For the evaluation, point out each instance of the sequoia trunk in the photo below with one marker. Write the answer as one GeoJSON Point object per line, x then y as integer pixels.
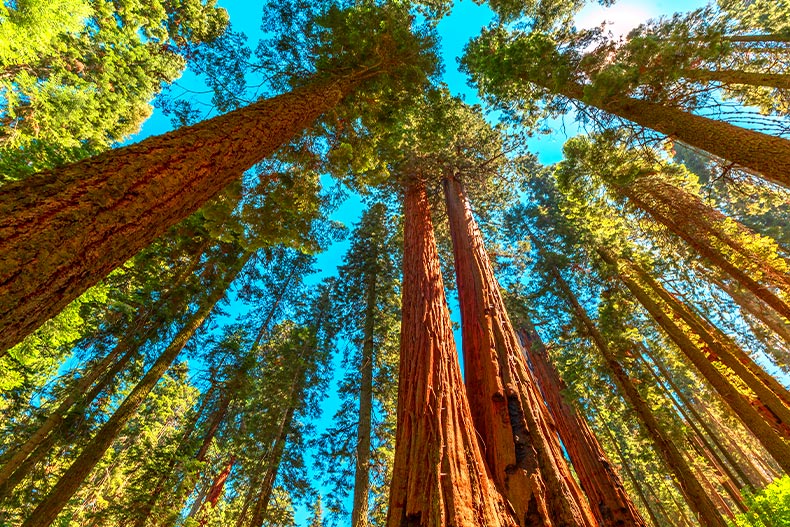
{"type": "Point", "coordinates": [597, 476]}
{"type": "Point", "coordinates": [64, 230]}
{"type": "Point", "coordinates": [522, 447]}
{"type": "Point", "coordinates": [439, 475]}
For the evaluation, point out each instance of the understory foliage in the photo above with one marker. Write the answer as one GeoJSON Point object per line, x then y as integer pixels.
{"type": "Point", "coordinates": [232, 374]}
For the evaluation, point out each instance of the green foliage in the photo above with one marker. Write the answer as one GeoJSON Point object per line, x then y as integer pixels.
{"type": "Point", "coordinates": [770, 507]}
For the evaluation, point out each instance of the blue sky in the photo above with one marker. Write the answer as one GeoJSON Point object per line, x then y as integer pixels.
{"type": "Point", "coordinates": [463, 23]}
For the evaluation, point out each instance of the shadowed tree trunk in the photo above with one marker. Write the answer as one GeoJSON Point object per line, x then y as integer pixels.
{"type": "Point", "coordinates": [597, 476]}
{"type": "Point", "coordinates": [439, 475]}
{"type": "Point", "coordinates": [64, 230]}
{"type": "Point", "coordinates": [46, 512]}
{"type": "Point", "coordinates": [359, 511]}
{"type": "Point", "coordinates": [692, 490]}
{"type": "Point", "coordinates": [522, 447]}
{"type": "Point", "coordinates": [765, 430]}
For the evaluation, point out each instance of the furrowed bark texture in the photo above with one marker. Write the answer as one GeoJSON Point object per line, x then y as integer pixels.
{"type": "Point", "coordinates": [769, 155]}
{"type": "Point", "coordinates": [722, 241]}
{"type": "Point", "coordinates": [691, 488]}
{"type": "Point", "coordinates": [359, 511]}
{"type": "Point", "coordinates": [62, 231]}
{"type": "Point", "coordinates": [599, 479]}
{"type": "Point", "coordinates": [758, 423]}
{"type": "Point", "coordinates": [48, 509]}
{"type": "Point", "coordinates": [439, 476]}
{"type": "Point", "coordinates": [519, 437]}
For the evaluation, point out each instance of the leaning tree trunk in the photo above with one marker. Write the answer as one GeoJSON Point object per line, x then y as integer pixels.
{"type": "Point", "coordinates": [48, 509]}
{"type": "Point", "coordinates": [769, 155]}
{"type": "Point", "coordinates": [771, 80]}
{"type": "Point", "coordinates": [359, 511]}
{"type": "Point", "coordinates": [64, 230]}
{"type": "Point", "coordinates": [691, 488]}
{"type": "Point", "coordinates": [763, 429]}
{"type": "Point", "coordinates": [599, 479]}
{"type": "Point", "coordinates": [723, 349]}
{"type": "Point", "coordinates": [522, 448]}
{"type": "Point", "coordinates": [439, 475]}
{"type": "Point", "coordinates": [123, 352]}
{"type": "Point", "coordinates": [720, 240]}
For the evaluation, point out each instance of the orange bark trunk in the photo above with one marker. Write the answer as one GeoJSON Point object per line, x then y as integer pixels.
{"type": "Point", "coordinates": [64, 230]}
{"type": "Point", "coordinates": [439, 476]}
{"type": "Point", "coordinates": [521, 444]}
{"type": "Point", "coordinates": [598, 478]}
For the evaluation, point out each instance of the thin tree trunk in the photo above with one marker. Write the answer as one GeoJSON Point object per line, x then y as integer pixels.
{"type": "Point", "coordinates": [359, 511]}
{"type": "Point", "coordinates": [693, 419]}
{"type": "Point", "coordinates": [723, 349]}
{"type": "Point", "coordinates": [522, 447]}
{"type": "Point", "coordinates": [217, 486]}
{"type": "Point", "coordinates": [769, 155]}
{"type": "Point", "coordinates": [750, 78]}
{"type": "Point", "coordinates": [693, 491]}
{"type": "Point", "coordinates": [754, 421]}
{"type": "Point", "coordinates": [597, 476]}
{"type": "Point", "coordinates": [274, 457]}
{"type": "Point", "coordinates": [48, 509]}
{"type": "Point", "coordinates": [725, 480]}
{"type": "Point", "coordinates": [439, 475]}
{"type": "Point", "coordinates": [64, 230]}
{"type": "Point", "coordinates": [756, 307]}
{"type": "Point", "coordinates": [713, 236]}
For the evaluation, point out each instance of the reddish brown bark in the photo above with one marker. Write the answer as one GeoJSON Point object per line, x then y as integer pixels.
{"type": "Point", "coordinates": [520, 440]}
{"type": "Point", "coordinates": [62, 231]}
{"type": "Point", "coordinates": [597, 476]}
{"type": "Point", "coordinates": [439, 475]}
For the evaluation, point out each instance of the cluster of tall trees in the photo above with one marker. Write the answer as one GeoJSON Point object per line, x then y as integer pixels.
{"type": "Point", "coordinates": [167, 344]}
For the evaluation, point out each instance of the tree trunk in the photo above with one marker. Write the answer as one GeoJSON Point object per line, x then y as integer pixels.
{"type": "Point", "coordinates": [726, 244]}
{"type": "Point", "coordinates": [752, 305]}
{"type": "Point", "coordinates": [48, 509]}
{"type": "Point", "coordinates": [754, 421]}
{"type": "Point", "coordinates": [692, 490]}
{"type": "Point", "coordinates": [769, 155]}
{"type": "Point", "coordinates": [597, 476]}
{"type": "Point", "coordinates": [693, 418]}
{"type": "Point", "coordinates": [64, 230]}
{"type": "Point", "coordinates": [359, 511]}
{"type": "Point", "coordinates": [750, 78]}
{"type": "Point", "coordinates": [721, 348]}
{"type": "Point", "coordinates": [522, 448]}
{"type": "Point", "coordinates": [217, 486]}
{"type": "Point", "coordinates": [439, 475]}
{"type": "Point", "coordinates": [274, 457]}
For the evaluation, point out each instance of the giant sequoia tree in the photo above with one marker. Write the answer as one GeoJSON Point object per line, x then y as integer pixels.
{"type": "Point", "coordinates": [64, 230]}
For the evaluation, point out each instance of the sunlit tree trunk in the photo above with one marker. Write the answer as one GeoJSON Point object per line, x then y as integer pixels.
{"type": "Point", "coordinates": [522, 447]}
{"type": "Point", "coordinates": [750, 78]}
{"type": "Point", "coordinates": [46, 512]}
{"type": "Point", "coordinates": [439, 475]}
{"type": "Point", "coordinates": [764, 430]}
{"type": "Point", "coordinates": [725, 243]}
{"type": "Point", "coordinates": [64, 230]}
{"type": "Point", "coordinates": [597, 476]}
{"type": "Point", "coordinates": [691, 488]}
{"type": "Point", "coordinates": [767, 154]}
